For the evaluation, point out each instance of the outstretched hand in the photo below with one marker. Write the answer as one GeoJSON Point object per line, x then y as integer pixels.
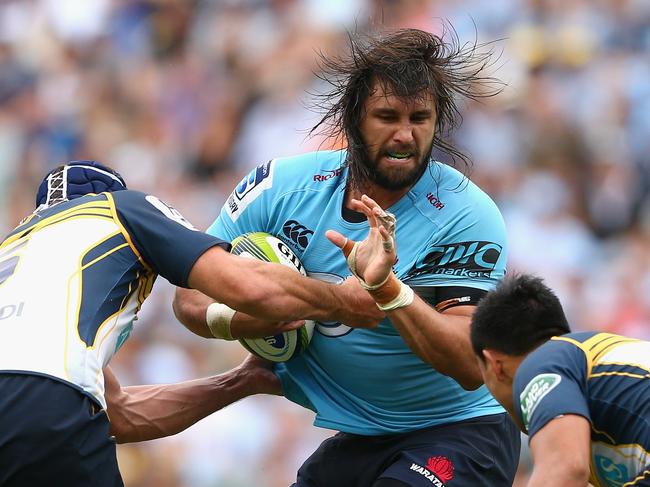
{"type": "Point", "coordinates": [373, 257]}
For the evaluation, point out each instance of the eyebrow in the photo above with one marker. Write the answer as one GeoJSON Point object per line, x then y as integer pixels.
{"type": "Point", "coordinates": [391, 111]}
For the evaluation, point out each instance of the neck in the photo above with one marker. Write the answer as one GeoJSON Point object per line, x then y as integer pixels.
{"type": "Point", "coordinates": [511, 365]}
{"type": "Point", "coordinates": [383, 197]}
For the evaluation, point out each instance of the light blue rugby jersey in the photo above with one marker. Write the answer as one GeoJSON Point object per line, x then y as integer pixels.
{"type": "Point", "coordinates": [368, 381]}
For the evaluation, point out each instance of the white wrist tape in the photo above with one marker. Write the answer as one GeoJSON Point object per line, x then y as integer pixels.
{"type": "Point", "coordinates": [404, 298]}
{"type": "Point", "coordinates": [218, 317]}
{"type": "Point", "coordinates": [369, 287]}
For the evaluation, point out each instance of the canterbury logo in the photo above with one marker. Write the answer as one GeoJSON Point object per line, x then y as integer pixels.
{"type": "Point", "coordinates": [297, 233]}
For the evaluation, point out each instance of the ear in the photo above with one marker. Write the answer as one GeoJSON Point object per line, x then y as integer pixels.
{"type": "Point", "coordinates": [496, 361]}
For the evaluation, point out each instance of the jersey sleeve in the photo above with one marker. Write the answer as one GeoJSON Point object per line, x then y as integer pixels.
{"type": "Point", "coordinates": [167, 242]}
{"type": "Point", "coordinates": [550, 382]}
{"type": "Point", "coordinates": [247, 208]}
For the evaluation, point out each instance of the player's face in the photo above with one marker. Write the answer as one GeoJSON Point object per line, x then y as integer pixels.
{"type": "Point", "coordinates": [398, 134]}
{"type": "Point", "coordinates": [502, 391]}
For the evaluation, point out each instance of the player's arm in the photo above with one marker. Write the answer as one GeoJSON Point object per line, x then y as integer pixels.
{"type": "Point", "coordinates": [560, 452]}
{"type": "Point", "coordinates": [440, 339]}
{"type": "Point", "coordinates": [190, 307]}
{"type": "Point", "coordinates": [275, 292]}
{"type": "Point", "coordinates": [173, 248]}
{"type": "Point", "coordinates": [139, 413]}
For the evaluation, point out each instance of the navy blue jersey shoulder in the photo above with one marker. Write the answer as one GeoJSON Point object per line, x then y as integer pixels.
{"type": "Point", "coordinates": [166, 241]}
{"type": "Point", "coordinates": [550, 382]}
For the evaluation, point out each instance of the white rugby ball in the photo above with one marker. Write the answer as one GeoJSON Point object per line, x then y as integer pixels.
{"type": "Point", "coordinates": [286, 345]}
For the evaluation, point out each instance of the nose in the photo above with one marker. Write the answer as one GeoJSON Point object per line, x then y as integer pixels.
{"type": "Point", "coordinates": [404, 134]}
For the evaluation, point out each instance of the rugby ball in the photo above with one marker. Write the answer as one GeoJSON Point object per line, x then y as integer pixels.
{"type": "Point", "coordinates": [266, 247]}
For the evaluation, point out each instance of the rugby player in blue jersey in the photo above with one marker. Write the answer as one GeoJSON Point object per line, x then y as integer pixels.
{"type": "Point", "coordinates": [583, 398]}
{"type": "Point", "coordinates": [406, 397]}
{"type": "Point", "coordinates": [73, 276]}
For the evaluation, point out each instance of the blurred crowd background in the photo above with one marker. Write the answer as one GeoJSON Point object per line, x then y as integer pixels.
{"type": "Point", "coordinates": [184, 97]}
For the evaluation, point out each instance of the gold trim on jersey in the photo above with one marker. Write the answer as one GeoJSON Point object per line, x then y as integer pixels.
{"type": "Point", "coordinates": [624, 374]}
{"type": "Point", "coordinates": [80, 291]}
{"type": "Point", "coordinates": [143, 287]}
{"type": "Point", "coordinates": [642, 476]}
{"type": "Point", "coordinates": [593, 479]}
{"type": "Point", "coordinates": [94, 208]}
{"type": "Point", "coordinates": [596, 347]}
{"type": "Point", "coordinates": [79, 273]}
{"type": "Point", "coordinates": [125, 232]}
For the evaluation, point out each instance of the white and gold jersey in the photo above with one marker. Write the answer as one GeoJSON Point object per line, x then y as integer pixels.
{"type": "Point", "coordinates": [74, 276]}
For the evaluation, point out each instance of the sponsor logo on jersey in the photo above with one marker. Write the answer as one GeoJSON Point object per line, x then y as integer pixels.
{"type": "Point", "coordinates": [534, 392]}
{"type": "Point", "coordinates": [10, 310]}
{"type": "Point", "coordinates": [297, 233]}
{"type": "Point", "coordinates": [249, 189]}
{"type": "Point", "coordinates": [617, 464]}
{"type": "Point", "coordinates": [438, 470]}
{"type": "Point", "coordinates": [123, 336]}
{"type": "Point", "coordinates": [169, 211]}
{"type": "Point", "coordinates": [327, 175]}
{"type": "Point", "coordinates": [613, 473]}
{"type": "Point", "coordinates": [435, 202]}
{"type": "Point", "coordinates": [474, 260]}
{"type": "Point", "coordinates": [330, 329]}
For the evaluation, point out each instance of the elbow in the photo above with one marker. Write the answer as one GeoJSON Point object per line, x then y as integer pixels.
{"type": "Point", "coordinates": [182, 306]}
{"type": "Point", "coordinates": [120, 434]}
{"type": "Point", "coordinates": [470, 383]}
{"type": "Point", "coordinates": [470, 380]}
{"type": "Point", "coordinates": [566, 473]}
{"type": "Point", "coordinates": [577, 472]}
{"type": "Point", "coordinates": [121, 428]}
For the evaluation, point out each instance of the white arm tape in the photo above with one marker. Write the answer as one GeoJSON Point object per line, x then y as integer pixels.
{"type": "Point", "coordinates": [404, 298]}
{"type": "Point", "coordinates": [218, 317]}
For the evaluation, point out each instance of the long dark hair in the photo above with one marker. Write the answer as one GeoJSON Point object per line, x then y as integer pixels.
{"type": "Point", "coordinates": [410, 64]}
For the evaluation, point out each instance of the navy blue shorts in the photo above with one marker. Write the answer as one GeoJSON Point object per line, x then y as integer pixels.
{"type": "Point", "coordinates": [477, 452]}
{"type": "Point", "coordinates": [51, 434]}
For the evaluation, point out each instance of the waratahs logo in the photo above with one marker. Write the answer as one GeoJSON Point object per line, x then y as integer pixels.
{"type": "Point", "coordinates": [439, 470]}
{"type": "Point", "coordinates": [441, 467]}
{"type": "Point", "coordinates": [297, 233]}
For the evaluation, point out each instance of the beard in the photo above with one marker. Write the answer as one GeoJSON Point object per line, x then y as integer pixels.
{"type": "Point", "coordinates": [395, 178]}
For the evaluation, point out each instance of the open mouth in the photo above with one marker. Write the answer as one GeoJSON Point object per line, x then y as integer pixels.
{"type": "Point", "coordinates": [399, 156]}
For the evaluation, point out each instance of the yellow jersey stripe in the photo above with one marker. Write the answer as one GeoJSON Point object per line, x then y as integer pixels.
{"type": "Point", "coordinates": [126, 234]}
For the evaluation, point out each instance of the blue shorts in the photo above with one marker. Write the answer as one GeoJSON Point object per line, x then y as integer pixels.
{"type": "Point", "coordinates": [53, 434]}
{"type": "Point", "coordinates": [479, 451]}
